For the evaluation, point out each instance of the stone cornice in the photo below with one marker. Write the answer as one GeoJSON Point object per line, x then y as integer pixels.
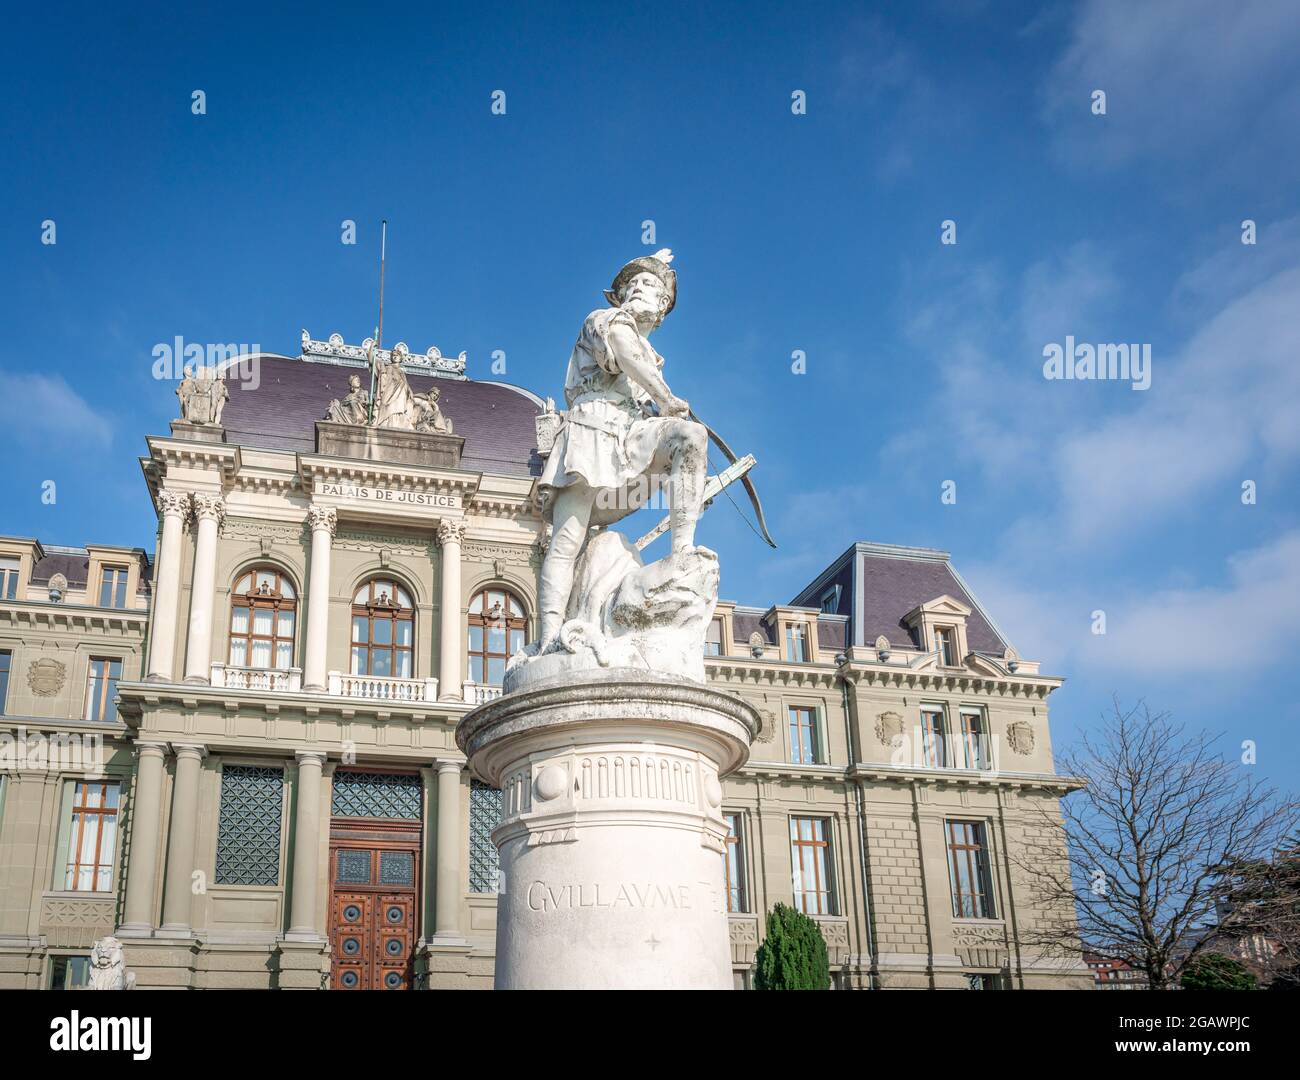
{"type": "Point", "coordinates": [770, 673]}
{"type": "Point", "coordinates": [137, 697]}
{"type": "Point", "coordinates": [965, 682]}
{"type": "Point", "coordinates": [47, 615]}
{"type": "Point", "coordinates": [34, 724]}
{"type": "Point", "coordinates": [865, 770]}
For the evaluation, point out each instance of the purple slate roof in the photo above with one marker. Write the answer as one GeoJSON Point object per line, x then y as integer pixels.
{"type": "Point", "coordinates": [75, 566]}
{"type": "Point", "coordinates": [894, 586]}
{"type": "Point", "coordinates": [496, 421]}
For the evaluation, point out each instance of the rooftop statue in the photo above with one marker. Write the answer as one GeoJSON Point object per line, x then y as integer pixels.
{"type": "Point", "coordinates": [354, 407]}
{"type": "Point", "coordinates": [624, 439]}
{"type": "Point", "coordinates": [203, 395]}
{"type": "Point", "coordinates": [395, 405]}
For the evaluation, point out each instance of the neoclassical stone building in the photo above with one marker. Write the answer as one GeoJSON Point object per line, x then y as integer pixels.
{"type": "Point", "coordinates": [247, 769]}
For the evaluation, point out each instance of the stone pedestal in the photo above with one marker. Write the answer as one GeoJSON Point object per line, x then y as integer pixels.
{"type": "Point", "coordinates": [612, 835]}
{"type": "Point", "coordinates": [391, 445]}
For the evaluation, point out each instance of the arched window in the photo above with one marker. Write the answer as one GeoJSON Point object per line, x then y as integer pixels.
{"type": "Point", "coordinates": [263, 607]}
{"type": "Point", "coordinates": [497, 630]}
{"type": "Point", "coordinates": [383, 629]}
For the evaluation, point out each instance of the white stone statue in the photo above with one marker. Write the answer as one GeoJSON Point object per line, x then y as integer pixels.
{"type": "Point", "coordinates": [625, 437]}
{"type": "Point", "coordinates": [203, 395]}
{"type": "Point", "coordinates": [108, 967]}
{"type": "Point", "coordinates": [395, 405]}
{"type": "Point", "coordinates": [428, 417]}
{"type": "Point", "coordinates": [354, 408]}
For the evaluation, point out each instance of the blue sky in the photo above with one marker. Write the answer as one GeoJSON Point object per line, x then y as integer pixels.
{"type": "Point", "coordinates": [816, 232]}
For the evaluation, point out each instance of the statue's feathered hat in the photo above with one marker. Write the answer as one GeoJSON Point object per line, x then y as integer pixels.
{"type": "Point", "coordinates": [656, 264]}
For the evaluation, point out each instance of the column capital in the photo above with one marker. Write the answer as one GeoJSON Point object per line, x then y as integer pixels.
{"type": "Point", "coordinates": [190, 750]}
{"type": "Point", "coordinates": [448, 766]}
{"type": "Point", "coordinates": [451, 531]}
{"type": "Point", "coordinates": [208, 507]}
{"type": "Point", "coordinates": [173, 504]}
{"type": "Point", "coordinates": [310, 757]}
{"type": "Point", "coordinates": [322, 518]}
{"type": "Point", "coordinates": [150, 748]}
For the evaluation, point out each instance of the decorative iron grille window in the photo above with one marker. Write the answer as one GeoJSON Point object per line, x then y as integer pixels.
{"type": "Point", "coordinates": [248, 832]}
{"type": "Point", "coordinates": [378, 795]}
{"type": "Point", "coordinates": [484, 816]}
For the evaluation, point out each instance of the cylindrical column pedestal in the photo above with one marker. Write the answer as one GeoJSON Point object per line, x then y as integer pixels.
{"type": "Point", "coordinates": [612, 837]}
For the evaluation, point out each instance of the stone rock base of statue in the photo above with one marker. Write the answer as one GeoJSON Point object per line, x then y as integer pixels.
{"type": "Point", "coordinates": [612, 835]}
{"type": "Point", "coordinates": [395, 445]}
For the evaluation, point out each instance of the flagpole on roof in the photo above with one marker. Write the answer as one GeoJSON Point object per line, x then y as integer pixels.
{"type": "Point", "coordinates": [379, 330]}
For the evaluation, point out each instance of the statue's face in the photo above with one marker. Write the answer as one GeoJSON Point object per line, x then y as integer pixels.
{"type": "Point", "coordinates": [645, 294]}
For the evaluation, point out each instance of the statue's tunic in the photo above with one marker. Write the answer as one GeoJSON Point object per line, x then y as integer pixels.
{"type": "Point", "coordinates": [608, 438]}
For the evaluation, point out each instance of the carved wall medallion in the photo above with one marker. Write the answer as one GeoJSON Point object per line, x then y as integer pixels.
{"type": "Point", "coordinates": [46, 677]}
{"type": "Point", "coordinates": [743, 932]}
{"type": "Point", "coordinates": [767, 730]}
{"type": "Point", "coordinates": [889, 729]}
{"type": "Point", "coordinates": [1021, 737]}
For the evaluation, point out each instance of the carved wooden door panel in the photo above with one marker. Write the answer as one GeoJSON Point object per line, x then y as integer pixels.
{"type": "Point", "coordinates": [373, 911]}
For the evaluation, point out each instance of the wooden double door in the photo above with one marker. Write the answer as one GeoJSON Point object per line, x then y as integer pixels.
{"type": "Point", "coordinates": [374, 904]}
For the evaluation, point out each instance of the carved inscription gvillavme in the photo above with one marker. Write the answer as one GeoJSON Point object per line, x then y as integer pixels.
{"type": "Point", "coordinates": [624, 895]}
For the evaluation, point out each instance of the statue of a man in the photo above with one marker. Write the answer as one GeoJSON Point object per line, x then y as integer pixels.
{"type": "Point", "coordinates": [625, 435]}
{"type": "Point", "coordinates": [354, 407]}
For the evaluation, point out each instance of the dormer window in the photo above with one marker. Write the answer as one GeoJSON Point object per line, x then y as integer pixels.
{"type": "Point", "coordinates": [796, 643]}
{"type": "Point", "coordinates": [945, 645]}
{"type": "Point", "coordinates": [9, 569]}
{"type": "Point", "coordinates": [713, 638]}
{"type": "Point", "coordinates": [112, 587]}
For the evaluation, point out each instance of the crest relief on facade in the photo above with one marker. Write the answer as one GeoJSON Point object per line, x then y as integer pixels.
{"type": "Point", "coordinates": [46, 677]}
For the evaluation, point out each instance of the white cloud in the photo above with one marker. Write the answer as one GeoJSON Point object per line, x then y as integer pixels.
{"type": "Point", "coordinates": [1230, 396]}
{"type": "Point", "coordinates": [1184, 79]}
{"type": "Point", "coordinates": [44, 408]}
{"type": "Point", "coordinates": [1252, 616]}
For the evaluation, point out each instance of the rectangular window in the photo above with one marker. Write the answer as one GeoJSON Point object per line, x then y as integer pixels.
{"type": "Point", "coordinates": [101, 688]}
{"type": "Point", "coordinates": [733, 864]}
{"type": "Point", "coordinates": [796, 643]}
{"type": "Point", "coordinates": [945, 642]}
{"type": "Point", "coordinates": [92, 837]}
{"type": "Point", "coordinates": [978, 981]}
{"type": "Point", "coordinates": [805, 743]}
{"type": "Point", "coordinates": [484, 816]}
{"type": "Point", "coordinates": [248, 826]}
{"type": "Point", "coordinates": [713, 638]}
{"type": "Point", "coordinates": [112, 587]}
{"type": "Point", "coordinates": [6, 661]}
{"type": "Point", "coordinates": [934, 739]}
{"type": "Point", "coordinates": [69, 972]}
{"type": "Point", "coordinates": [975, 739]}
{"type": "Point", "coordinates": [9, 578]}
{"type": "Point", "coordinates": [810, 859]}
{"type": "Point", "coordinates": [968, 867]}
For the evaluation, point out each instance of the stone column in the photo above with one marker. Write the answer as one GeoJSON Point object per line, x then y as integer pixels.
{"type": "Point", "coordinates": [447, 856]}
{"type": "Point", "coordinates": [208, 510]}
{"type": "Point", "coordinates": [177, 893]}
{"type": "Point", "coordinates": [323, 520]}
{"type": "Point", "coordinates": [167, 589]}
{"type": "Point", "coordinates": [612, 832]}
{"type": "Point", "coordinates": [451, 661]}
{"type": "Point", "coordinates": [146, 814]}
{"type": "Point", "coordinates": [306, 847]}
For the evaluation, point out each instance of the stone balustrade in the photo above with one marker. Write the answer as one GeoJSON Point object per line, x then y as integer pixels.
{"type": "Point", "coordinates": [250, 678]}
{"type": "Point", "coordinates": [382, 688]}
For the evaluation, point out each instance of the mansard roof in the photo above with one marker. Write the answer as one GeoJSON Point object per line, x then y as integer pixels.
{"type": "Point", "coordinates": [74, 564]}
{"type": "Point", "coordinates": [892, 582]}
{"type": "Point", "coordinates": [279, 408]}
